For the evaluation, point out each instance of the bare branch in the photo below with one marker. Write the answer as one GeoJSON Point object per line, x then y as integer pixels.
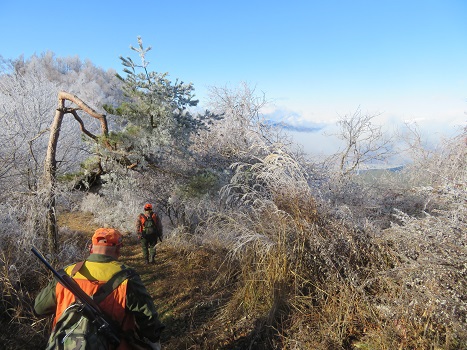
{"type": "Point", "coordinates": [102, 118]}
{"type": "Point", "coordinates": [364, 142]}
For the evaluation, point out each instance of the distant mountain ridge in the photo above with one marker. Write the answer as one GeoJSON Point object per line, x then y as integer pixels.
{"type": "Point", "coordinates": [299, 128]}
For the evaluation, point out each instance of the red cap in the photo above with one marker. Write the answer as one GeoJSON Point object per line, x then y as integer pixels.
{"type": "Point", "coordinates": [147, 206]}
{"type": "Point", "coordinates": [107, 237]}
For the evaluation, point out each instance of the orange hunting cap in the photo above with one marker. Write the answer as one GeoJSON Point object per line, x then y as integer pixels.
{"type": "Point", "coordinates": [107, 237]}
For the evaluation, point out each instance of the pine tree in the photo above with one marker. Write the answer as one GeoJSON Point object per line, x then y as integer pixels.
{"type": "Point", "coordinates": [156, 115]}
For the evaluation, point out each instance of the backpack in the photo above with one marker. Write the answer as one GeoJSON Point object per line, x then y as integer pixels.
{"type": "Point", "coordinates": [74, 330]}
{"type": "Point", "coordinates": [149, 225]}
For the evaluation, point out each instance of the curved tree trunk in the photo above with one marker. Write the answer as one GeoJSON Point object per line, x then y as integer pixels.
{"type": "Point", "coordinates": [50, 166]}
{"type": "Point", "coordinates": [49, 177]}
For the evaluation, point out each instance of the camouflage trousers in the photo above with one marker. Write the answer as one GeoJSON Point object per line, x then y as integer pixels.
{"type": "Point", "coordinates": [148, 245]}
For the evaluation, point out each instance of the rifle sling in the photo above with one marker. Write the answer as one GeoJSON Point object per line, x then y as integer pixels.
{"type": "Point", "coordinates": [76, 268]}
{"type": "Point", "coordinates": [106, 289]}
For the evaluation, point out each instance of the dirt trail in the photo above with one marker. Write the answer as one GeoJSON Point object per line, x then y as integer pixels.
{"type": "Point", "coordinates": [179, 283]}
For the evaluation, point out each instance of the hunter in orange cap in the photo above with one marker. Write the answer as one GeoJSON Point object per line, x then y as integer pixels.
{"type": "Point", "coordinates": [128, 303]}
{"type": "Point", "coordinates": [107, 241]}
{"type": "Point", "coordinates": [149, 231]}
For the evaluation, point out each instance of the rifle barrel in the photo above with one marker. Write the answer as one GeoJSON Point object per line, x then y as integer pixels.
{"type": "Point", "coordinates": [70, 284]}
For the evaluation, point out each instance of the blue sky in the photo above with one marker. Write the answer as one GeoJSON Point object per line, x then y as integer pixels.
{"type": "Point", "coordinates": [405, 60]}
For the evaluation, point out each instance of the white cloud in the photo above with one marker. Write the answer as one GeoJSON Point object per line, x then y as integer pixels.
{"type": "Point", "coordinates": [315, 134]}
{"type": "Point", "coordinates": [291, 119]}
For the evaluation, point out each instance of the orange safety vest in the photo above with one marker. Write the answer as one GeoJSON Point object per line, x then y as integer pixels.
{"type": "Point", "coordinates": [142, 220]}
{"type": "Point", "coordinates": [114, 305]}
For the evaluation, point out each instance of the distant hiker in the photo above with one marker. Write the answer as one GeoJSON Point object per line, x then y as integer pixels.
{"type": "Point", "coordinates": [149, 230]}
{"type": "Point", "coordinates": [124, 301]}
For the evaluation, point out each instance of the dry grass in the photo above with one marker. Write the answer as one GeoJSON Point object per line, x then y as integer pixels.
{"type": "Point", "coordinates": [20, 329]}
{"type": "Point", "coordinates": [279, 284]}
{"type": "Point", "coordinates": [332, 282]}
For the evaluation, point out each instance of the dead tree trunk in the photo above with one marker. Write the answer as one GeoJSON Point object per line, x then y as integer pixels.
{"type": "Point", "coordinates": [50, 166]}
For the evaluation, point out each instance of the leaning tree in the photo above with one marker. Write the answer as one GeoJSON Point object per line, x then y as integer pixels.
{"type": "Point", "coordinates": [50, 168]}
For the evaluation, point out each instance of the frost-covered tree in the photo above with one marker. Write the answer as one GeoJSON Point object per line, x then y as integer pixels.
{"type": "Point", "coordinates": [243, 131]}
{"type": "Point", "coordinates": [26, 111]}
{"type": "Point", "coordinates": [28, 91]}
{"type": "Point", "coordinates": [93, 84]}
{"type": "Point", "coordinates": [243, 124]}
{"type": "Point", "coordinates": [364, 142]}
{"type": "Point", "coordinates": [157, 115]}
